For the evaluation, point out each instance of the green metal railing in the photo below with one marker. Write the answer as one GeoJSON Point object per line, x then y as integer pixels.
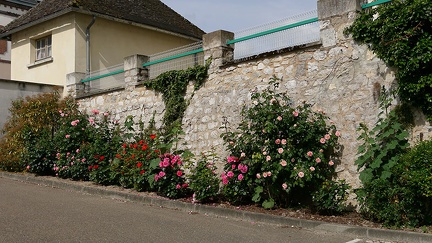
{"type": "Point", "coordinates": [173, 57]}
{"type": "Point", "coordinates": [268, 32]}
{"type": "Point", "coordinates": [102, 76]}
{"type": "Point", "coordinates": [378, 2]}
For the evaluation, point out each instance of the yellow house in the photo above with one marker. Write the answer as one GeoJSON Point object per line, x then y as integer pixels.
{"type": "Point", "coordinates": [58, 37]}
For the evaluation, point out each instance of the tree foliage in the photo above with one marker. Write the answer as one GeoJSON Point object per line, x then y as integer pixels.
{"type": "Point", "coordinates": [400, 33]}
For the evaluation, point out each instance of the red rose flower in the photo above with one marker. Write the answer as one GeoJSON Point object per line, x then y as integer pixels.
{"type": "Point", "coordinates": [139, 164]}
{"type": "Point", "coordinates": [152, 136]}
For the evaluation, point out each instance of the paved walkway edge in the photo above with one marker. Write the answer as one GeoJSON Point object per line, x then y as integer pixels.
{"type": "Point", "coordinates": [361, 232]}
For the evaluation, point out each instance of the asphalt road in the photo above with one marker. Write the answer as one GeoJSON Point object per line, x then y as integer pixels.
{"type": "Point", "coordinates": [33, 213]}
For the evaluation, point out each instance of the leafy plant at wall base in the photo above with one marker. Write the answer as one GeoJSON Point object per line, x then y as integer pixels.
{"type": "Point", "coordinates": [204, 182]}
{"type": "Point", "coordinates": [280, 154]}
{"type": "Point", "coordinates": [383, 145]}
{"type": "Point", "coordinates": [391, 193]}
{"type": "Point", "coordinates": [400, 33]}
{"type": "Point", "coordinates": [173, 86]}
{"type": "Point", "coordinates": [330, 198]}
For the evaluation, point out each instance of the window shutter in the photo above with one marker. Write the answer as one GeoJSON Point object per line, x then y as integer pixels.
{"type": "Point", "coordinates": [3, 46]}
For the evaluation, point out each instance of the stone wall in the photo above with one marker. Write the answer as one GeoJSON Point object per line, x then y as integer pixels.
{"type": "Point", "coordinates": [336, 75]}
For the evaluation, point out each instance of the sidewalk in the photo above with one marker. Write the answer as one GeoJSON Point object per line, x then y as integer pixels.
{"type": "Point", "coordinates": [123, 194]}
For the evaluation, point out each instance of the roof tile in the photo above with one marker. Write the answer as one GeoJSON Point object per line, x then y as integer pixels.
{"type": "Point", "coordinates": [148, 12]}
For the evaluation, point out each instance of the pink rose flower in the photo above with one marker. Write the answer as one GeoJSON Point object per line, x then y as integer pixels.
{"type": "Point", "coordinates": [322, 140]}
{"type": "Point", "coordinates": [230, 174]}
{"type": "Point", "coordinates": [265, 174]}
{"type": "Point", "coordinates": [327, 136]}
{"type": "Point", "coordinates": [106, 114]}
{"type": "Point", "coordinates": [67, 136]}
{"type": "Point", "coordinates": [331, 163]}
{"type": "Point", "coordinates": [233, 166]}
{"type": "Point", "coordinates": [280, 150]}
{"type": "Point", "coordinates": [179, 173]}
{"type": "Point", "coordinates": [295, 113]}
{"type": "Point", "coordinates": [91, 121]}
{"type": "Point", "coordinates": [242, 155]}
{"type": "Point", "coordinates": [277, 141]}
{"type": "Point", "coordinates": [74, 123]}
{"type": "Point", "coordinates": [178, 186]}
{"type": "Point", "coordinates": [283, 163]}
{"type": "Point", "coordinates": [161, 174]}
{"type": "Point", "coordinates": [268, 158]}
{"type": "Point", "coordinates": [309, 153]}
{"type": "Point", "coordinates": [225, 181]}
{"type": "Point", "coordinates": [318, 160]}
{"type": "Point", "coordinates": [312, 168]}
{"type": "Point", "coordinates": [269, 173]}
{"type": "Point", "coordinates": [232, 159]}
{"type": "Point", "coordinates": [156, 177]}
{"type": "Point", "coordinates": [300, 174]}
{"type": "Point", "coordinates": [338, 134]}
{"type": "Point", "coordinates": [284, 186]}
{"type": "Point", "coordinates": [258, 176]}
{"type": "Point", "coordinates": [284, 141]}
{"type": "Point", "coordinates": [279, 118]}
{"type": "Point", "coordinates": [243, 168]}
{"type": "Point", "coordinates": [240, 177]}
{"type": "Point", "coordinates": [95, 112]}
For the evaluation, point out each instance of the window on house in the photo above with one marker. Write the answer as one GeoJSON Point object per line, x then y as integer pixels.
{"type": "Point", "coordinates": [43, 48]}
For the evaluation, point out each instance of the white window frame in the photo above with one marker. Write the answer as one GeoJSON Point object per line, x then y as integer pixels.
{"type": "Point", "coordinates": [43, 47]}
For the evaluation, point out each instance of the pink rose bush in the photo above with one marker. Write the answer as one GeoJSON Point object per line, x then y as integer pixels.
{"type": "Point", "coordinates": [169, 178]}
{"type": "Point", "coordinates": [305, 138]}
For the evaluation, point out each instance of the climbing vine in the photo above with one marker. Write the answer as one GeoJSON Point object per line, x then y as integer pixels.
{"type": "Point", "coordinates": [173, 86]}
{"type": "Point", "coordinates": [400, 33]}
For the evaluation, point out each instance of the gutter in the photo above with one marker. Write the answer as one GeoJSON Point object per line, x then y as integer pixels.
{"type": "Point", "coordinates": [88, 46]}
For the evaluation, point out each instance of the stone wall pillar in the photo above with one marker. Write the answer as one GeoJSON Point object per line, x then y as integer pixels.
{"type": "Point", "coordinates": [214, 45]}
{"type": "Point", "coordinates": [74, 87]}
{"type": "Point", "coordinates": [331, 8]}
{"type": "Point", "coordinates": [134, 72]}
{"type": "Point", "coordinates": [334, 17]}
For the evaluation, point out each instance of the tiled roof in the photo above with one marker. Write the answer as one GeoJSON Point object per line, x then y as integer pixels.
{"type": "Point", "coordinates": [152, 13]}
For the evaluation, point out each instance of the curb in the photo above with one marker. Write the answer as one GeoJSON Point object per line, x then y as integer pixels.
{"type": "Point", "coordinates": [362, 232]}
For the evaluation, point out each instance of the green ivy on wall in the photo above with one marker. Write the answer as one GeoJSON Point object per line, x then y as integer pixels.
{"type": "Point", "coordinates": [400, 33]}
{"type": "Point", "coordinates": [173, 86]}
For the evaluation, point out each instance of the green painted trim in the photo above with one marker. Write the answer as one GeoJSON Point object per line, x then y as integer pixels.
{"type": "Point", "coordinates": [378, 2]}
{"type": "Point", "coordinates": [173, 57]}
{"type": "Point", "coordinates": [286, 27]}
{"type": "Point", "coordinates": [102, 76]}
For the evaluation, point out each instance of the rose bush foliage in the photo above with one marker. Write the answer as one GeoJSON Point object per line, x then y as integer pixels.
{"type": "Point", "coordinates": [280, 154]}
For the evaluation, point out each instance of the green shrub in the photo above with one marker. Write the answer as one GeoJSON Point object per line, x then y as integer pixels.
{"type": "Point", "coordinates": [330, 198]}
{"type": "Point", "coordinates": [29, 133]}
{"type": "Point", "coordinates": [397, 181]}
{"type": "Point", "coordinates": [204, 182]}
{"type": "Point", "coordinates": [279, 154]}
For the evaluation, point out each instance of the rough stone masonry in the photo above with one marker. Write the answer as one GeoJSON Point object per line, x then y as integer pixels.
{"type": "Point", "coordinates": [336, 75]}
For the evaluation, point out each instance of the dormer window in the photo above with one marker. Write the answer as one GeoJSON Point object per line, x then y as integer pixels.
{"type": "Point", "coordinates": [43, 48]}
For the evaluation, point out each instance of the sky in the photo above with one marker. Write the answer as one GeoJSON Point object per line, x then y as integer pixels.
{"type": "Point", "coordinates": [237, 15]}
